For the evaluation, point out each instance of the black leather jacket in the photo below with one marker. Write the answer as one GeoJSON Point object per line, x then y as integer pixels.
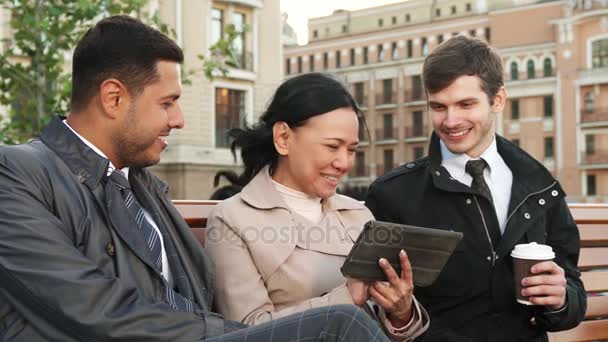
{"type": "Point", "coordinates": [67, 272]}
{"type": "Point", "coordinates": [474, 297]}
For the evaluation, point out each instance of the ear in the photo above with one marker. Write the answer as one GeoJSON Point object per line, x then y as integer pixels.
{"type": "Point", "coordinates": [114, 97]}
{"type": "Point", "coordinates": [281, 134]}
{"type": "Point", "coordinates": [499, 100]}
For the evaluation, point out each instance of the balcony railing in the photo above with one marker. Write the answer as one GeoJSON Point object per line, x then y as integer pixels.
{"type": "Point", "coordinates": [387, 134]}
{"type": "Point", "coordinates": [382, 169]}
{"type": "Point", "coordinates": [411, 96]}
{"type": "Point", "coordinates": [592, 75]}
{"type": "Point", "coordinates": [360, 171]}
{"type": "Point", "coordinates": [361, 100]}
{"type": "Point", "coordinates": [597, 157]}
{"type": "Point", "coordinates": [388, 98]}
{"type": "Point", "coordinates": [244, 61]}
{"type": "Point", "coordinates": [417, 131]}
{"type": "Point", "coordinates": [597, 115]}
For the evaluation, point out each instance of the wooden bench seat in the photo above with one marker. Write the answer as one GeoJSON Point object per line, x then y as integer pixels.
{"type": "Point", "coordinates": [592, 220]}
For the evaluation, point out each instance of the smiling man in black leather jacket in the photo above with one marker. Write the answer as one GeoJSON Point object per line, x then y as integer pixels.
{"type": "Point", "coordinates": [91, 247]}
{"type": "Point", "coordinates": [473, 298]}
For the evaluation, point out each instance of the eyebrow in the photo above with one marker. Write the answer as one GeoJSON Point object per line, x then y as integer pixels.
{"type": "Point", "coordinates": [342, 141]}
{"type": "Point", "coordinates": [173, 96]}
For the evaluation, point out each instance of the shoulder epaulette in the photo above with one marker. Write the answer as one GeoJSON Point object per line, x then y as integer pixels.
{"type": "Point", "coordinates": [406, 168]}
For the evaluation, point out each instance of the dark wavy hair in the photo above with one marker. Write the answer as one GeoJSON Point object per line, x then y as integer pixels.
{"type": "Point", "coordinates": [295, 101]}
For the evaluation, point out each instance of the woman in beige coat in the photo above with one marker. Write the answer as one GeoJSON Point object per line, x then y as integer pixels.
{"type": "Point", "coordinates": [279, 244]}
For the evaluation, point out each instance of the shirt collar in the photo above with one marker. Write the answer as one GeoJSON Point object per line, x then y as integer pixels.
{"type": "Point", "coordinates": [455, 163]}
{"type": "Point", "coordinates": [111, 166]}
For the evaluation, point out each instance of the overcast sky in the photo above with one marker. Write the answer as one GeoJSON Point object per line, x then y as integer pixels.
{"type": "Point", "coordinates": [300, 10]}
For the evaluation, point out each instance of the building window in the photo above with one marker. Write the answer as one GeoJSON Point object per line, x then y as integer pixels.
{"type": "Point", "coordinates": [315, 34]}
{"type": "Point", "coordinates": [394, 20]}
{"type": "Point", "coordinates": [425, 47]}
{"type": "Point", "coordinates": [327, 32]}
{"type": "Point", "coordinates": [547, 67]}
{"type": "Point", "coordinates": [514, 71]}
{"type": "Point", "coordinates": [407, 18]}
{"type": "Point", "coordinates": [217, 25]}
{"type": "Point", "coordinates": [468, 7]}
{"type": "Point", "coordinates": [325, 61]}
{"type": "Point", "coordinates": [365, 55]}
{"type": "Point", "coordinates": [416, 87]}
{"type": "Point", "coordinates": [440, 39]}
{"type": "Point", "coordinates": [388, 126]}
{"type": "Point", "coordinates": [394, 51]}
{"type": "Point", "coordinates": [591, 185]}
{"type": "Point", "coordinates": [418, 152]}
{"type": "Point", "coordinates": [453, 9]}
{"type": "Point", "coordinates": [299, 64]}
{"type": "Point", "coordinates": [409, 48]}
{"type": "Point", "coordinates": [515, 142]}
{"type": "Point", "coordinates": [311, 63]}
{"type": "Point", "coordinates": [438, 12]}
{"type": "Point", "coordinates": [530, 69]}
{"type": "Point", "coordinates": [472, 33]}
{"type": "Point", "coordinates": [338, 59]}
{"type": "Point", "coordinates": [380, 53]}
{"type": "Point", "coordinates": [418, 129]}
{"type": "Point", "coordinates": [229, 113]}
{"type": "Point", "coordinates": [343, 28]}
{"type": "Point", "coordinates": [548, 106]}
{"type": "Point", "coordinates": [360, 93]}
{"type": "Point", "coordinates": [360, 164]}
{"type": "Point", "coordinates": [388, 160]}
{"type": "Point", "coordinates": [387, 91]}
{"type": "Point", "coordinates": [589, 144]}
{"type": "Point", "coordinates": [487, 34]}
{"type": "Point", "coordinates": [380, 22]}
{"type": "Point", "coordinates": [287, 66]}
{"type": "Point", "coordinates": [548, 147]}
{"type": "Point", "coordinates": [514, 109]}
{"type": "Point", "coordinates": [589, 102]}
{"type": "Point", "coordinates": [599, 53]}
{"type": "Point", "coordinates": [238, 44]}
{"type": "Point", "coordinates": [352, 56]}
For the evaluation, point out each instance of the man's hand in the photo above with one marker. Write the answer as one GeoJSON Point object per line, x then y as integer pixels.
{"type": "Point", "coordinates": [547, 287]}
{"type": "Point", "coordinates": [395, 297]}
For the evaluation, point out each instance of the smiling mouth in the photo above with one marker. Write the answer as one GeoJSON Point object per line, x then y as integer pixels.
{"type": "Point", "coordinates": [459, 133]}
{"type": "Point", "coordinates": [331, 178]}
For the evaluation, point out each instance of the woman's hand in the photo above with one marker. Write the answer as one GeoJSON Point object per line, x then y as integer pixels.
{"type": "Point", "coordinates": [395, 297]}
{"type": "Point", "coordinates": [359, 290]}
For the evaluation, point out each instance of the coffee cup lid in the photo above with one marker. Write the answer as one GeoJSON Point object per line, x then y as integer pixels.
{"type": "Point", "coordinates": [533, 251]}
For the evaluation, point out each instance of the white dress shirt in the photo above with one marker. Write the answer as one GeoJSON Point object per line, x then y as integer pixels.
{"type": "Point", "coordinates": [497, 175]}
{"type": "Point", "coordinates": [165, 262]}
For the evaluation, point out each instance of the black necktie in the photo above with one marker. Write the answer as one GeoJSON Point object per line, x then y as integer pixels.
{"type": "Point", "coordinates": [151, 237]}
{"type": "Point", "coordinates": [475, 169]}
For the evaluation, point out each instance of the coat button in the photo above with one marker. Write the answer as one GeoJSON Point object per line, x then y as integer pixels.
{"type": "Point", "coordinates": [554, 193]}
{"type": "Point", "coordinates": [541, 201]}
{"type": "Point", "coordinates": [489, 258]}
{"type": "Point", "coordinates": [437, 173]}
{"type": "Point", "coordinates": [469, 201]}
{"type": "Point", "coordinates": [110, 249]}
{"type": "Point", "coordinates": [527, 216]}
{"type": "Point", "coordinates": [410, 165]}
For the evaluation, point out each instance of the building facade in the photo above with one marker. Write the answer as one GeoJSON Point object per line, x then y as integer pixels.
{"type": "Point", "coordinates": [555, 56]}
{"type": "Point", "coordinates": [212, 107]}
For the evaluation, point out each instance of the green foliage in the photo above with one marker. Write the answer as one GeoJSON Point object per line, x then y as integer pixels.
{"type": "Point", "coordinates": [34, 82]}
{"type": "Point", "coordinates": [222, 54]}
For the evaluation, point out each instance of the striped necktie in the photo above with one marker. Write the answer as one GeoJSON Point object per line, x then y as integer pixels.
{"type": "Point", "coordinates": [151, 238]}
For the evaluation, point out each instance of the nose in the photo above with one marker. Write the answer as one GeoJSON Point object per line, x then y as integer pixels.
{"type": "Point", "coordinates": [343, 160]}
{"type": "Point", "coordinates": [176, 116]}
{"type": "Point", "coordinates": [452, 118]}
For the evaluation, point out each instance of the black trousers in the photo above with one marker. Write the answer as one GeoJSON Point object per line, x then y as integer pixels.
{"type": "Point", "coordinates": [331, 323]}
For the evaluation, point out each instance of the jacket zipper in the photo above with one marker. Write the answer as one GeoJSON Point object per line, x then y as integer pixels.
{"type": "Point", "coordinates": [525, 198]}
{"type": "Point", "coordinates": [483, 220]}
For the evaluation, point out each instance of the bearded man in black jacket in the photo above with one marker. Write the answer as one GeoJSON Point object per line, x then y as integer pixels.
{"type": "Point", "coordinates": [476, 182]}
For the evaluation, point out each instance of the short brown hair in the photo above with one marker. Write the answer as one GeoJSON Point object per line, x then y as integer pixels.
{"type": "Point", "coordinates": [460, 56]}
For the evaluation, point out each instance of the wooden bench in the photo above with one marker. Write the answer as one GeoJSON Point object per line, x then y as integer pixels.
{"type": "Point", "coordinates": [592, 220]}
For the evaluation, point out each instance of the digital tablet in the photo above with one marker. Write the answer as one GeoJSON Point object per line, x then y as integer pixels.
{"type": "Point", "coordinates": [428, 251]}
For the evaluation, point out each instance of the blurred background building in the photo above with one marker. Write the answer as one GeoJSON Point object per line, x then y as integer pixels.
{"type": "Point", "coordinates": [212, 107]}
{"type": "Point", "coordinates": [555, 57]}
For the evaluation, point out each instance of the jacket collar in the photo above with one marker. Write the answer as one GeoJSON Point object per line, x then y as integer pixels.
{"type": "Point", "coordinates": [261, 193]}
{"type": "Point", "coordinates": [87, 165]}
{"type": "Point", "coordinates": [528, 173]}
